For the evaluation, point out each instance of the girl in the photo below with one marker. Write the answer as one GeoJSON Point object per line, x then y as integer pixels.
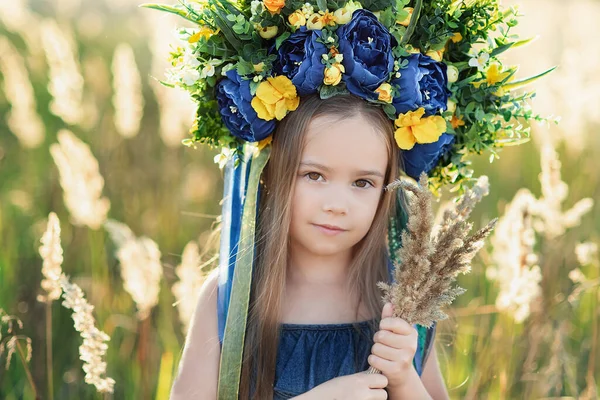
{"type": "Point", "coordinates": [315, 320]}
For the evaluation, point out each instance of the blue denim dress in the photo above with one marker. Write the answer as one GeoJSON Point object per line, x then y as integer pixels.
{"type": "Point", "coordinates": [309, 355]}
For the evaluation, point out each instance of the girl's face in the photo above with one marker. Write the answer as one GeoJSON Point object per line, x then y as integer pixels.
{"type": "Point", "coordinates": [339, 184]}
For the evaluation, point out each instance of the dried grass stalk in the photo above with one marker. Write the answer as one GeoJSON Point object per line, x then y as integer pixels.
{"type": "Point", "coordinates": [423, 282]}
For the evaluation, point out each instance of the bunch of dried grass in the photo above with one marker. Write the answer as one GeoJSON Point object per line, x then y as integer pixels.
{"type": "Point", "coordinates": [430, 263]}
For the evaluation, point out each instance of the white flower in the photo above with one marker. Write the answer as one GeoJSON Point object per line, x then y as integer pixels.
{"type": "Point", "coordinates": [307, 10]}
{"type": "Point", "coordinates": [223, 157]}
{"type": "Point", "coordinates": [480, 61]}
{"type": "Point", "coordinates": [256, 7]}
{"type": "Point", "coordinates": [208, 70]}
{"type": "Point", "coordinates": [190, 59]}
{"type": "Point", "coordinates": [189, 76]}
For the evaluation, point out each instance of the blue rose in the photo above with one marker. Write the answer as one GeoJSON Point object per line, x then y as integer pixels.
{"type": "Point", "coordinates": [234, 98]}
{"type": "Point", "coordinates": [423, 83]}
{"type": "Point", "coordinates": [423, 157]}
{"type": "Point", "coordinates": [367, 49]}
{"type": "Point", "coordinates": [299, 58]}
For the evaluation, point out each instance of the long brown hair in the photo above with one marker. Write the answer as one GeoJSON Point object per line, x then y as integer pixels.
{"type": "Point", "coordinates": [368, 265]}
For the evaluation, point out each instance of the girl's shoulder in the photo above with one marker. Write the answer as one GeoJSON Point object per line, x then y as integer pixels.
{"type": "Point", "coordinates": [199, 367]}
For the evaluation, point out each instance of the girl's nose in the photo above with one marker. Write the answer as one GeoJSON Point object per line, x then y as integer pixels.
{"type": "Point", "coordinates": [335, 202]}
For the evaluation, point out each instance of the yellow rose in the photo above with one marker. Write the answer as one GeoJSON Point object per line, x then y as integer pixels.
{"type": "Point", "coordinates": [333, 75]}
{"type": "Point", "coordinates": [342, 16]}
{"type": "Point", "coordinates": [314, 22]}
{"type": "Point", "coordinates": [274, 98]}
{"type": "Point", "coordinates": [457, 37]}
{"type": "Point", "coordinates": [297, 19]}
{"type": "Point", "coordinates": [204, 32]}
{"type": "Point", "coordinates": [451, 105]}
{"type": "Point", "coordinates": [274, 6]}
{"type": "Point", "coordinates": [406, 20]}
{"type": "Point", "coordinates": [452, 73]}
{"type": "Point", "coordinates": [385, 92]}
{"type": "Point", "coordinates": [413, 128]}
{"type": "Point", "coordinates": [268, 32]}
{"type": "Point", "coordinates": [436, 54]}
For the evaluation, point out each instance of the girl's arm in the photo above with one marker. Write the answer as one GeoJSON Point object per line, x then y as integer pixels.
{"type": "Point", "coordinates": [199, 367]}
{"type": "Point", "coordinates": [432, 378]}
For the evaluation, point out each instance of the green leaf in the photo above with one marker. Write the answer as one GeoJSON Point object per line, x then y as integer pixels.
{"type": "Point", "coordinates": [390, 111]}
{"type": "Point", "coordinates": [169, 85]}
{"type": "Point", "coordinates": [244, 68]}
{"type": "Point", "coordinates": [413, 22]}
{"type": "Point", "coordinates": [169, 9]}
{"type": "Point", "coordinates": [322, 4]}
{"type": "Point", "coordinates": [215, 47]}
{"type": "Point", "coordinates": [280, 39]}
{"type": "Point", "coordinates": [328, 91]}
{"type": "Point", "coordinates": [523, 82]}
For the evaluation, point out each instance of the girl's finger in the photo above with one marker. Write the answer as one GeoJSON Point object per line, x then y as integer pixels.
{"type": "Point", "coordinates": [394, 340]}
{"type": "Point", "coordinates": [378, 394]}
{"type": "Point", "coordinates": [377, 381]}
{"type": "Point", "coordinates": [386, 352]}
{"type": "Point", "coordinates": [387, 311]}
{"type": "Point", "coordinates": [390, 368]}
{"type": "Point", "coordinates": [397, 325]}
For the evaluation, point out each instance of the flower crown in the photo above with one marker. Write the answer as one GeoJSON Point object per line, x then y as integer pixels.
{"type": "Point", "coordinates": [432, 65]}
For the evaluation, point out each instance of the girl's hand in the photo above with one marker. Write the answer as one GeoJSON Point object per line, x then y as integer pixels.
{"type": "Point", "coordinates": [358, 386]}
{"type": "Point", "coordinates": [394, 349]}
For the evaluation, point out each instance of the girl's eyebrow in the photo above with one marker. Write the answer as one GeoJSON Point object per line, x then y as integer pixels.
{"type": "Point", "coordinates": [327, 169]}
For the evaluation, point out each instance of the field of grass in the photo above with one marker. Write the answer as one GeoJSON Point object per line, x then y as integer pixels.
{"type": "Point", "coordinates": [87, 133]}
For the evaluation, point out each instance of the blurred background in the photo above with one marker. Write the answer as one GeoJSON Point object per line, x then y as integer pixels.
{"type": "Point", "coordinates": [87, 132]}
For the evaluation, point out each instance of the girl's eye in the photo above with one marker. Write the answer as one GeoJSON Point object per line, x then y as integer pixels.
{"type": "Point", "coordinates": [362, 183]}
{"type": "Point", "coordinates": [313, 176]}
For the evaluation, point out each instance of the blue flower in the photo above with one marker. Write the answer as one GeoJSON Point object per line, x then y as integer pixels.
{"type": "Point", "coordinates": [424, 157]}
{"type": "Point", "coordinates": [423, 83]}
{"type": "Point", "coordinates": [234, 99]}
{"type": "Point", "coordinates": [367, 49]}
{"type": "Point", "coordinates": [299, 58]}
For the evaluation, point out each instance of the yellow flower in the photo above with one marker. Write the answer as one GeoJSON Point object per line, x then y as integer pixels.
{"type": "Point", "coordinates": [259, 67]}
{"type": "Point", "coordinates": [268, 32]}
{"type": "Point", "coordinates": [406, 20]}
{"type": "Point", "coordinates": [274, 98]}
{"type": "Point", "coordinates": [456, 122]}
{"type": "Point", "coordinates": [274, 6]}
{"type": "Point", "coordinates": [385, 92]}
{"type": "Point", "coordinates": [457, 37]}
{"type": "Point", "coordinates": [204, 32]}
{"type": "Point", "coordinates": [297, 19]}
{"type": "Point", "coordinates": [333, 74]}
{"type": "Point", "coordinates": [452, 73]}
{"type": "Point", "coordinates": [436, 54]}
{"type": "Point", "coordinates": [314, 22]}
{"type": "Point", "coordinates": [413, 128]}
{"type": "Point", "coordinates": [265, 142]}
{"type": "Point", "coordinates": [493, 75]}
{"type": "Point", "coordinates": [328, 19]}
{"type": "Point", "coordinates": [451, 105]}
{"type": "Point", "coordinates": [342, 15]}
